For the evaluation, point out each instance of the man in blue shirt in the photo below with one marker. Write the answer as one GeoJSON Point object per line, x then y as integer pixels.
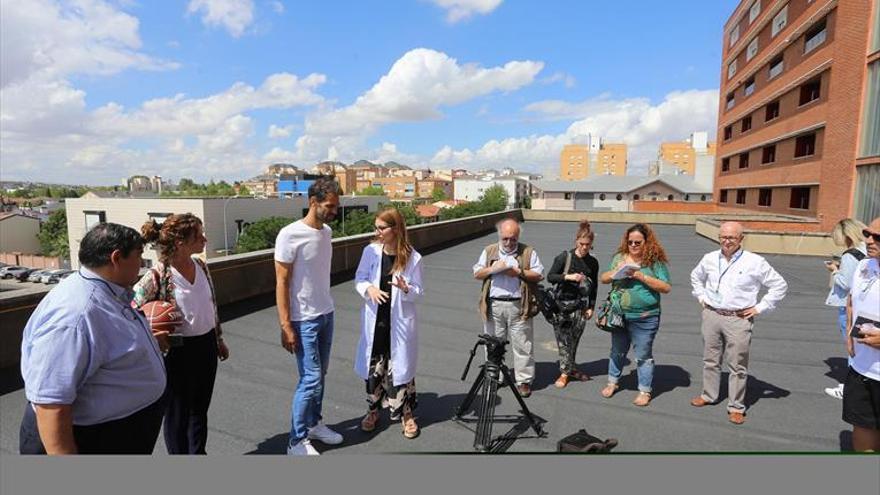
{"type": "Point", "coordinates": [93, 372]}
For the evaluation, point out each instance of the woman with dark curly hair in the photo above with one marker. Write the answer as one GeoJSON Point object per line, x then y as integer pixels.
{"type": "Point", "coordinates": [182, 278]}
{"type": "Point", "coordinates": [638, 275]}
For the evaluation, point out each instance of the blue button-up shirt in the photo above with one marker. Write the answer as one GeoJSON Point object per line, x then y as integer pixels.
{"type": "Point", "coordinates": [85, 346]}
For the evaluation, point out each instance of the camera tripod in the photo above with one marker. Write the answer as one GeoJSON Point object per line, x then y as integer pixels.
{"type": "Point", "coordinates": [487, 383]}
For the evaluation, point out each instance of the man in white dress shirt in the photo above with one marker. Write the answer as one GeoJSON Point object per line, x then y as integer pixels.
{"type": "Point", "coordinates": [727, 282]}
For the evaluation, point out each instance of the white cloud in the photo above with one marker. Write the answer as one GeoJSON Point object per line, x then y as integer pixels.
{"type": "Point", "coordinates": [416, 87]}
{"type": "Point", "coordinates": [459, 10]}
{"type": "Point", "coordinates": [278, 132]}
{"type": "Point", "coordinates": [567, 79]}
{"type": "Point", "coordinates": [233, 15]}
{"type": "Point", "coordinates": [636, 122]}
{"type": "Point", "coordinates": [48, 40]}
{"type": "Point", "coordinates": [277, 7]}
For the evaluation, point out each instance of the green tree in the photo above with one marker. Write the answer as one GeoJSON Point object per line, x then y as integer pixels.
{"type": "Point", "coordinates": [53, 235]}
{"type": "Point", "coordinates": [260, 234]}
{"type": "Point", "coordinates": [495, 198]}
{"type": "Point", "coordinates": [438, 194]}
{"type": "Point", "coordinates": [372, 191]}
{"type": "Point", "coordinates": [186, 184]}
{"type": "Point", "coordinates": [243, 190]}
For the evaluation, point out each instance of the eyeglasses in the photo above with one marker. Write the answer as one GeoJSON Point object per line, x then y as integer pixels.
{"type": "Point", "coordinates": [729, 237]}
{"type": "Point", "coordinates": [867, 233]}
{"type": "Point", "coordinates": [382, 228]}
{"type": "Point", "coordinates": [509, 239]}
{"type": "Point", "coordinates": [635, 243]}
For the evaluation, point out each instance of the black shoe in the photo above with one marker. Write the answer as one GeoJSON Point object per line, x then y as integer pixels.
{"type": "Point", "coordinates": [524, 389]}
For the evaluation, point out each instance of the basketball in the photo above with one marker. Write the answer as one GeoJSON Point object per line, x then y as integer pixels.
{"type": "Point", "coordinates": [162, 315]}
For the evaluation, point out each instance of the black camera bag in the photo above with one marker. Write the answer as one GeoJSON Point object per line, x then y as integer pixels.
{"type": "Point", "coordinates": [584, 442]}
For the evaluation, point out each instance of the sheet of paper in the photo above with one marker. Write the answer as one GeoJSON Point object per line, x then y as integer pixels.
{"type": "Point", "coordinates": [623, 271]}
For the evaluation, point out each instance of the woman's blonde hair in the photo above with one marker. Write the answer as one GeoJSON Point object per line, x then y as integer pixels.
{"type": "Point", "coordinates": [848, 232]}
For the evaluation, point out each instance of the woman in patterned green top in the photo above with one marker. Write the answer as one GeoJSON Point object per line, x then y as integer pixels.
{"type": "Point", "coordinates": [636, 292]}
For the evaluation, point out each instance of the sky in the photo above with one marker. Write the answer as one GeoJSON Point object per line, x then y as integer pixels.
{"type": "Point", "coordinates": [93, 91]}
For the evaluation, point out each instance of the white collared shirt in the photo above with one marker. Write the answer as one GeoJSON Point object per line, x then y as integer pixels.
{"type": "Point", "coordinates": [743, 277]}
{"type": "Point", "coordinates": [865, 294]}
{"type": "Point", "coordinates": [505, 285]}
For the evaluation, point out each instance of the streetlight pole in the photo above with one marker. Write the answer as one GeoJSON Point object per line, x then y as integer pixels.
{"type": "Point", "coordinates": [226, 226]}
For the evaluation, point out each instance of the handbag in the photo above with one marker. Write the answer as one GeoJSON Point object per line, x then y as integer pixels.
{"type": "Point", "coordinates": [610, 318]}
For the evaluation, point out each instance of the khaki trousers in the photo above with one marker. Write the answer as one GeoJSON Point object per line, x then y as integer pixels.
{"type": "Point", "coordinates": [506, 323]}
{"type": "Point", "coordinates": [730, 336]}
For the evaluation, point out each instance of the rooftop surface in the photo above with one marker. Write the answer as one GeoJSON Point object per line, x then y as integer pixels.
{"type": "Point", "coordinates": [796, 353]}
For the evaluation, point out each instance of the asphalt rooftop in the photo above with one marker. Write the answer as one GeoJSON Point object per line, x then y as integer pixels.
{"type": "Point", "coordinates": [796, 352]}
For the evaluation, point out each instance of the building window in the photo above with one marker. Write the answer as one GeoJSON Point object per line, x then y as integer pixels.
{"type": "Point", "coordinates": [810, 91]}
{"type": "Point", "coordinates": [723, 197]}
{"type": "Point", "coordinates": [805, 145]}
{"type": "Point", "coordinates": [734, 35]}
{"type": "Point", "coordinates": [800, 198]}
{"type": "Point", "coordinates": [814, 37]}
{"type": "Point", "coordinates": [728, 132]}
{"type": "Point", "coordinates": [754, 10]}
{"type": "Point", "coordinates": [752, 49]}
{"type": "Point", "coordinates": [669, 198]}
{"type": "Point", "coordinates": [602, 197]}
{"type": "Point", "coordinates": [870, 139]}
{"type": "Point", "coordinates": [779, 21]}
{"type": "Point", "coordinates": [619, 197]}
{"type": "Point", "coordinates": [777, 65]}
{"type": "Point", "coordinates": [746, 123]}
{"type": "Point", "coordinates": [94, 218]}
{"type": "Point", "coordinates": [687, 197]}
{"type": "Point", "coordinates": [731, 69]}
{"type": "Point", "coordinates": [702, 197]}
{"type": "Point", "coordinates": [768, 154]}
{"type": "Point", "coordinates": [567, 195]}
{"type": "Point", "coordinates": [772, 111]}
{"type": "Point", "coordinates": [866, 201]}
{"type": "Point", "coordinates": [740, 196]}
{"type": "Point", "coordinates": [743, 160]}
{"type": "Point", "coordinates": [765, 197]}
{"type": "Point", "coordinates": [750, 87]}
{"type": "Point", "coordinates": [158, 217]}
{"type": "Point", "coordinates": [725, 164]}
{"type": "Point", "coordinates": [636, 197]}
{"type": "Point", "coordinates": [731, 101]}
{"type": "Point", "coordinates": [875, 37]}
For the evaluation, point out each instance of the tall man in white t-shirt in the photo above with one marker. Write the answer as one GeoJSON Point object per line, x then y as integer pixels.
{"type": "Point", "coordinates": [303, 251]}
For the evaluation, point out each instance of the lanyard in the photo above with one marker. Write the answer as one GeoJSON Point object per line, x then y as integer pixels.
{"type": "Point", "coordinates": [734, 260]}
{"type": "Point", "coordinates": [125, 307]}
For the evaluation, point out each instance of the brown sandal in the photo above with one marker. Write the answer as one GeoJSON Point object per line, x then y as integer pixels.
{"type": "Point", "coordinates": [368, 424]}
{"type": "Point", "coordinates": [610, 390]}
{"type": "Point", "coordinates": [562, 381]}
{"type": "Point", "coordinates": [643, 399]}
{"type": "Point", "coordinates": [579, 376]}
{"type": "Point", "coordinates": [410, 428]}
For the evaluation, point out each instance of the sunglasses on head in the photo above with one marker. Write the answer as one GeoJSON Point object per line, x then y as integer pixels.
{"type": "Point", "coordinates": [874, 235]}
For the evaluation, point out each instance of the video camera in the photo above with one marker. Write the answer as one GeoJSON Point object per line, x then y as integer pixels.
{"type": "Point", "coordinates": [563, 301]}
{"type": "Point", "coordinates": [494, 351]}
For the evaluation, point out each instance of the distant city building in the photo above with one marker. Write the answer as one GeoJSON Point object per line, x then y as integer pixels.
{"type": "Point", "coordinates": [473, 188]}
{"type": "Point", "coordinates": [224, 218]}
{"type": "Point", "coordinates": [18, 233]}
{"type": "Point", "coordinates": [396, 187]}
{"type": "Point", "coordinates": [681, 157]}
{"type": "Point", "coordinates": [595, 157]}
{"type": "Point", "coordinates": [799, 114]}
{"type": "Point", "coordinates": [616, 193]}
{"type": "Point", "coordinates": [142, 184]}
{"type": "Point", "coordinates": [426, 187]}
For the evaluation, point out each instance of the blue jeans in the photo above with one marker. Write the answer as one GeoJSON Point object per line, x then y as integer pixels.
{"type": "Point", "coordinates": [640, 332]}
{"type": "Point", "coordinates": [312, 359]}
{"type": "Point", "coordinates": [841, 321]}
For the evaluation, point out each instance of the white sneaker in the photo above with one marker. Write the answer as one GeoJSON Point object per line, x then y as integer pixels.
{"type": "Point", "coordinates": [321, 433]}
{"type": "Point", "coordinates": [303, 447]}
{"type": "Point", "coordinates": [836, 392]}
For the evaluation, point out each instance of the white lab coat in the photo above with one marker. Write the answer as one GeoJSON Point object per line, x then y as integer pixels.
{"type": "Point", "coordinates": [404, 330]}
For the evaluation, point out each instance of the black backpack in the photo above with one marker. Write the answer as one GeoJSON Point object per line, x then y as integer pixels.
{"type": "Point", "coordinates": [584, 442]}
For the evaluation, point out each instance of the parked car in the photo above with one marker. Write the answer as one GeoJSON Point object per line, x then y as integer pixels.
{"type": "Point", "coordinates": [19, 273]}
{"type": "Point", "coordinates": [5, 269]}
{"type": "Point", "coordinates": [35, 275]}
{"type": "Point", "coordinates": [55, 276]}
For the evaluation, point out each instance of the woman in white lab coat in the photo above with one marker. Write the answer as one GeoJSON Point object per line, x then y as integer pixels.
{"type": "Point", "coordinates": [389, 278]}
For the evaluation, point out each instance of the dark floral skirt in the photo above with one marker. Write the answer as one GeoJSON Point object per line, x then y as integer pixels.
{"type": "Point", "coordinates": [381, 391]}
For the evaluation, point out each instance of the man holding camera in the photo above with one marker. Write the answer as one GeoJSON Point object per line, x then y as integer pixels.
{"type": "Point", "coordinates": [510, 271]}
{"type": "Point", "coordinates": [726, 283]}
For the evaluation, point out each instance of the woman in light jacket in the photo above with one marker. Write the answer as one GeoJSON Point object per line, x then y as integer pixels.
{"type": "Point", "coordinates": [389, 278]}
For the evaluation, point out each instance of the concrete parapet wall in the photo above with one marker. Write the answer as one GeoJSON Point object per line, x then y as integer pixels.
{"type": "Point", "coordinates": [802, 243]}
{"type": "Point", "coordinates": [243, 276]}
{"type": "Point", "coordinates": [610, 217]}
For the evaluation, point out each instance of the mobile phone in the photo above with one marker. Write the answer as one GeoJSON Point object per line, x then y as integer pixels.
{"type": "Point", "coordinates": [856, 330]}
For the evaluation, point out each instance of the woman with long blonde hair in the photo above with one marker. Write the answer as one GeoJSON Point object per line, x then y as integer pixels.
{"type": "Point", "coordinates": [389, 278]}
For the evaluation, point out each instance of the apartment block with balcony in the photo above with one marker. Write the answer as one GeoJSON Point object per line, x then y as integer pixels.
{"type": "Point", "coordinates": [798, 119]}
{"type": "Point", "coordinates": [596, 157]}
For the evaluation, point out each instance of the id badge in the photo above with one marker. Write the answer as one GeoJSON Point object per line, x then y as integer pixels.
{"type": "Point", "coordinates": [714, 297]}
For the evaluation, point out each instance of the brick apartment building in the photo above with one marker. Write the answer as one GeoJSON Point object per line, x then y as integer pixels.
{"type": "Point", "coordinates": [596, 157]}
{"type": "Point", "coordinates": [799, 116]}
{"type": "Point", "coordinates": [425, 187]}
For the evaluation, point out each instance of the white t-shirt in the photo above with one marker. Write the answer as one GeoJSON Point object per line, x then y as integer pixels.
{"type": "Point", "coordinates": [865, 293]}
{"type": "Point", "coordinates": [310, 251]}
{"type": "Point", "coordinates": [194, 301]}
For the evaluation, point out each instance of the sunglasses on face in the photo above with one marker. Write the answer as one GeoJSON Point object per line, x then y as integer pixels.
{"type": "Point", "coordinates": [635, 243]}
{"type": "Point", "coordinates": [874, 235]}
